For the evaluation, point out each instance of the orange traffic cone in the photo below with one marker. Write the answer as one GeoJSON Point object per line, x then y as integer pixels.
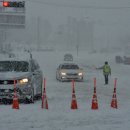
{"type": "Point", "coordinates": [94, 102]}
{"type": "Point", "coordinates": [15, 103]}
{"type": "Point", "coordinates": [44, 101]}
{"type": "Point", "coordinates": [114, 101]}
{"type": "Point", "coordinates": [44, 97]}
{"type": "Point", "coordinates": [94, 105]}
{"type": "Point", "coordinates": [74, 101]}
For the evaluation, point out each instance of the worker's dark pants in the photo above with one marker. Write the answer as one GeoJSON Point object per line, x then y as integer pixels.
{"type": "Point", "coordinates": [106, 78]}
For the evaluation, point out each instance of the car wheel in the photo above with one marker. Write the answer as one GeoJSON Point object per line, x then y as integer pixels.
{"type": "Point", "coordinates": [82, 79]}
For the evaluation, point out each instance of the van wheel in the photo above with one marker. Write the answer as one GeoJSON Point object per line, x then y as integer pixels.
{"type": "Point", "coordinates": [32, 96]}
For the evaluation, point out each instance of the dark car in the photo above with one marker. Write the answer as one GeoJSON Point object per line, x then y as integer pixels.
{"type": "Point", "coordinates": [126, 60]}
{"type": "Point", "coordinates": [68, 57]}
{"type": "Point", "coordinates": [119, 59]}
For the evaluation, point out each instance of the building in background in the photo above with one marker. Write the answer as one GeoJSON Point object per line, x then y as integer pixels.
{"type": "Point", "coordinates": [12, 16]}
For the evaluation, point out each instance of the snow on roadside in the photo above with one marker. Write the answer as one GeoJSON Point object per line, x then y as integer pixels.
{"type": "Point", "coordinates": [60, 116]}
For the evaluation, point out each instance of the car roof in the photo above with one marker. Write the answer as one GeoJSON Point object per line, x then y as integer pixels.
{"type": "Point", "coordinates": [68, 64]}
{"type": "Point", "coordinates": [68, 54]}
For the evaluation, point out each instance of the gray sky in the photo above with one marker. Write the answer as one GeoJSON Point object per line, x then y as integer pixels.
{"type": "Point", "coordinates": [110, 22]}
{"type": "Point", "coordinates": [111, 18]}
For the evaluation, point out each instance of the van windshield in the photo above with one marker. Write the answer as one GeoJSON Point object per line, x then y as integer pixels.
{"type": "Point", "coordinates": [18, 66]}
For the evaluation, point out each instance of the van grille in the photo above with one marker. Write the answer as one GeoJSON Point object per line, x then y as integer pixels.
{"type": "Point", "coordinates": [5, 82]}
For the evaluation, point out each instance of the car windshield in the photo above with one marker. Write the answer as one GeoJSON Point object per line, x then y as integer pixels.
{"type": "Point", "coordinates": [69, 67]}
{"type": "Point", "coordinates": [18, 66]}
{"type": "Point", "coordinates": [68, 55]}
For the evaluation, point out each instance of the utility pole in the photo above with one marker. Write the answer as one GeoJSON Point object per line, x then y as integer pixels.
{"type": "Point", "coordinates": [38, 33]}
{"type": "Point", "coordinates": [90, 33]}
{"type": "Point", "coordinates": [78, 39]}
{"type": "Point", "coordinates": [108, 40]}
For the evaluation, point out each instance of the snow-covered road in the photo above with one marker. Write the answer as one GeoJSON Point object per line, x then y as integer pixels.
{"type": "Point", "coordinates": [59, 116]}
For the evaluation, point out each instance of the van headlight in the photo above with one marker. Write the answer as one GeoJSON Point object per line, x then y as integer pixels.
{"type": "Point", "coordinates": [80, 74]}
{"type": "Point", "coordinates": [24, 80]}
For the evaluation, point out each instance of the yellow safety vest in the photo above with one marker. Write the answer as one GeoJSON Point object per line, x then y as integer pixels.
{"type": "Point", "coordinates": [106, 69]}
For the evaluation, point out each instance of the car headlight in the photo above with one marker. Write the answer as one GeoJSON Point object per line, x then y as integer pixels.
{"type": "Point", "coordinates": [23, 81]}
{"type": "Point", "coordinates": [62, 73]}
{"type": "Point", "coordinates": [80, 74]}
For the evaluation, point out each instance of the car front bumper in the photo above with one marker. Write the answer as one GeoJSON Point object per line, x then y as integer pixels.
{"type": "Point", "coordinates": [70, 78]}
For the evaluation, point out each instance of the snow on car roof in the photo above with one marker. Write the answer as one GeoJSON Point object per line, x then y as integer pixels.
{"type": "Point", "coordinates": [69, 64]}
{"type": "Point", "coordinates": [19, 57]}
{"type": "Point", "coordinates": [68, 54]}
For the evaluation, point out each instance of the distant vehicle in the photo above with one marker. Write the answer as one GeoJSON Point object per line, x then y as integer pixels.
{"type": "Point", "coordinates": [68, 57]}
{"type": "Point", "coordinates": [27, 75]}
{"type": "Point", "coordinates": [119, 59]}
{"type": "Point", "coordinates": [126, 60]}
{"type": "Point", "coordinates": [69, 72]}
{"type": "Point", "coordinates": [11, 55]}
